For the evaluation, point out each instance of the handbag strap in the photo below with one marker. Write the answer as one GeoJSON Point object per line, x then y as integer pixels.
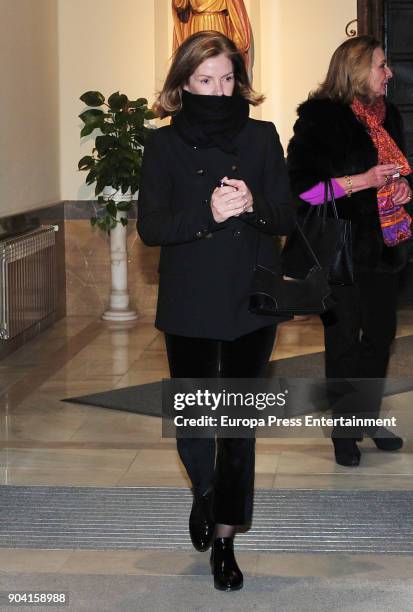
{"type": "Point", "coordinates": [305, 239]}
{"type": "Point", "coordinates": [309, 247]}
{"type": "Point", "coordinates": [322, 208]}
{"type": "Point", "coordinates": [332, 197]}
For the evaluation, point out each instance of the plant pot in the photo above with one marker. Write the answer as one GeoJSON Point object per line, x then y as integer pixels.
{"type": "Point", "coordinates": [119, 295]}
{"type": "Point", "coordinates": [110, 193]}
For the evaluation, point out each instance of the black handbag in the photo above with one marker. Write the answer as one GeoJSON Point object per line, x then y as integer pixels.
{"type": "Point", "coordinates": [273, 293]}
{"type": "Point", "coordinates": [330, 238]}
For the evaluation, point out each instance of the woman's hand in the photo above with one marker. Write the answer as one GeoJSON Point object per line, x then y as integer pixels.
{"type": "Point", "coordinates": [379, 175]}
{"type": "Point", "coordinates": [244, 192]}
{"type": "Point", "coordinates": [231, 200]}
{"type": "Point", "coordinates": [403, 193]}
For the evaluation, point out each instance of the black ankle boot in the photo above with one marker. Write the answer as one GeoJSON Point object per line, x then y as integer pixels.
{"type": "Point", "coordinates": [201, 525]}
{"type": "Point", "coordinates": [227, 574]}
{"type": "Point", "coordinates": [389, 442]}
{"type": "Point", "coordinates": [385, 440]}
{"type": "Point", "coordinates": [346, 451]}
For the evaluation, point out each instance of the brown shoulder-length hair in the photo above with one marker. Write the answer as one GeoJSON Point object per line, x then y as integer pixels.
{"type": "Point", "coordinates": [186, 59]}
{"type": "Point", "coordinates": [348, 72]}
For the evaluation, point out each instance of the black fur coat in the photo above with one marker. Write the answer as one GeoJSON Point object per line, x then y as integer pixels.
{"type": "Point", "coordinates": [329, 141]}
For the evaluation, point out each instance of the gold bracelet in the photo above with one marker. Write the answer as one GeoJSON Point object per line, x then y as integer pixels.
{"type": "Point", "coordinates": [349, 186]}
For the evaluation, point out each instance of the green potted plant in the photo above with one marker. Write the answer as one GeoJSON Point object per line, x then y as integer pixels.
{"type": "Point", "coordinates": [115, 163]}
{"type": "Point", "coordinates": [115, 167]}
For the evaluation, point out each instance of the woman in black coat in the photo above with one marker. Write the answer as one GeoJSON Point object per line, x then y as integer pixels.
{"type": "Point", "coordinates": [214, 193]}
{"type": "Point", "coordinates": [348, 132]}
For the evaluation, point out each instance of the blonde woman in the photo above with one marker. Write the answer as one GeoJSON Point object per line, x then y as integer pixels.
{"type": "Point", "coordinates": [348, 132]}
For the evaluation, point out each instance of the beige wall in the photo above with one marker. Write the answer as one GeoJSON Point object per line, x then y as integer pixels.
{"type": "Point", "coordinates": [105, 45]}
{"type": "Point", "coordinates": [29, 141]}
{"type": "Point", "coordinates": [129, 50]}
{"type": "Point", "coordinates": [54, 50]}
{"type": "Point", "coordinates": [126, 45]}
{"type": "Point", "coordinates": [297, 38]}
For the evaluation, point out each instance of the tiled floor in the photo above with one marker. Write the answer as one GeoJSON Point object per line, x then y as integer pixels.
{"type": "Point", "coordinates": [44, 441]}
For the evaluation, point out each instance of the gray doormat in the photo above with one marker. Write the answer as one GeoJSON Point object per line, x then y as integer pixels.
{"type": "Point", "coordinates": [142, 399]}
{"type": "Point", "coordinates": [285, 520]}
{"type": "Point", "coordinates": [312, 365]}
{"type": "Point", "coordinates": [147, 399]}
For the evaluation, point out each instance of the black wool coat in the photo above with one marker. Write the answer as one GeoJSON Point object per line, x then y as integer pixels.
{"type": "Point", "coordinates": [329, 141]}
{"type": "Point", "coordinates": [206, 267]}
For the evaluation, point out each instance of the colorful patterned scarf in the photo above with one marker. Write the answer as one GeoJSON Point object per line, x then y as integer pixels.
{"type": "Point", "coordinates": [394, 220]}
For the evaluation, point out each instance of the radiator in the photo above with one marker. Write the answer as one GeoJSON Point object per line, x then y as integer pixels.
{"type": "Point", "coordinates": [27, 280]}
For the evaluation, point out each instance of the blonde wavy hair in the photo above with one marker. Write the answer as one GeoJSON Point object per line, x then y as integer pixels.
{"type": "Point", "coordinates": [186, 59]}
{"type": "Point", "coordinates": [349, 70]}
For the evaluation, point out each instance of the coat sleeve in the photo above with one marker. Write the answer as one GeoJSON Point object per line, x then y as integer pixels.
{"type": "Point", "coordinates": [316, 146]}
{"type": "Point", "coordinates": [274, 211]}
{"type": "Point", "coordinates": [160, 223]}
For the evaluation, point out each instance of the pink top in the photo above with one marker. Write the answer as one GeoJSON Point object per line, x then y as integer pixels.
{"type": "Point", "coordinates": [315, 195]}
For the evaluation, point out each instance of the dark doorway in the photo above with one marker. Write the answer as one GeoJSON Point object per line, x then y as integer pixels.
{"type": "Point", "coordinates": [398, 41]}
{"type": "Point", "coordinates": [391, 21]}
{"type": "Point", "coordinates": [370, 17]}
{"type": "Point", "coordinates": [398, 45]}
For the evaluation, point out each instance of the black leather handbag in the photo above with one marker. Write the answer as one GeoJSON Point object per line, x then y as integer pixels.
{"type": "Point", "coordinates": [274, 293]}
{"type": "Point", "coordinates": [330, 238]}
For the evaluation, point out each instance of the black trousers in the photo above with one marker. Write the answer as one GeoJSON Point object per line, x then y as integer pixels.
{"type": "Point", "coordinates": [358, 333]}
{"type": "Point", "coordinates": [226, 464]}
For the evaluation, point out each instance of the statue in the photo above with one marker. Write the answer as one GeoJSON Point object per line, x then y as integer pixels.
{"type": "Point", "coordinates": [226, 16]}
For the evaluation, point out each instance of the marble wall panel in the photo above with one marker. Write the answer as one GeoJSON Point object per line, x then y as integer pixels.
{"type": "Point", "coordinates": [88, 270]}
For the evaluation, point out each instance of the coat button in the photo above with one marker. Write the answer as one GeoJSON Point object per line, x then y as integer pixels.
{"type": "Point", "coordinates": [262, 221]}
{"type": "Point", "coordinates": [234, 168]}
{"type": "Point", "coordinates": [201, 233]}
{"type": "Point", "coordinates": [200, 172]}
{"type": "Point", "coordinates": [236, 233]}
